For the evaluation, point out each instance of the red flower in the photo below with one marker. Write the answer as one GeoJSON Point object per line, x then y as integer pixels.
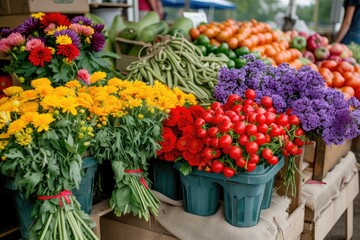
{"type": "Point", "coordinates": [183, 142]}
{"type": "Point", "coordinates": [56, 18]}
{"type": "Point", "coordinates": [195, 145]}
{"type": "Point", "coordinates": [68, 50]}
{"type": "Point", "coordinates": [39, 55]}
{"type": "Point", "coordinates": [185, 120]}
{"type": "Point", "coordinates": [183, 110]}
{"type": "Point", "coordinates": [192, 159]}
{"type": "Point", "coordinates": [189, 130]}
{"type": "Point", "coordinates": [172, 155]}
{"type": "Point", "coordinates": [173, 117]}
{"type": "Point", "coordinates": [169, 141]}
{"type": "Point", "coordinates": [197, 111]}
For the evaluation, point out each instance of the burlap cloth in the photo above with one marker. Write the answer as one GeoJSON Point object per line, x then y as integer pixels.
{"type": "Point", "coordinates": [187, 226]}
{"type": "Point", "coordinates": [319, 195]}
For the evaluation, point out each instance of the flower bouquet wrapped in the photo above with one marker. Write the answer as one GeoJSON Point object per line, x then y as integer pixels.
{"type": "Point", "coordinates": [52, 45]}
{"type": "Point", "coordinates": [43, 134]}
{"type": "Point", "coordinates": [128, 136]}
{"type": "Point", "coordinates": [231, 138]}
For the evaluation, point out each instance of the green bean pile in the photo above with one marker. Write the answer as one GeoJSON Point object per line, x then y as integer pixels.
{"type": "Point", "coordinates": [176, 62]}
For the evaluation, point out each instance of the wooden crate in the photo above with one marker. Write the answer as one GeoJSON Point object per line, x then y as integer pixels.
{"type": "Point", "coordinates": [317, 229]}
{"type": "Point", "coordinates": [324, 157]}
{"type": "Point", "coordinates": [355, 147]}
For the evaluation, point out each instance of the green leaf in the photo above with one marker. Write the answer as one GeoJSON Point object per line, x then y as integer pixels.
{"type": "Point", "coordinates": [185, 168]}
{"type": "Point", "coordinates": [75, 173]}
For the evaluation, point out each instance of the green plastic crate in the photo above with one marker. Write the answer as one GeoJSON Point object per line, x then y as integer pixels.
{"type": "Point", "coordinates": [245, 194]}
{"type": "Point", "coordinates": [166, 179]}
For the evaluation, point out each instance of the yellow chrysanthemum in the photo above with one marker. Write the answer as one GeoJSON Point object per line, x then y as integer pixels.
{"type": "Point", "coordinates": [16, 126]}
{"type": "Point", "coordinates": [3, 100]}
{"type": "Point", "coordinates": [8, 107]}
{"type": "Point", "coordinates": [44, 90]}
{"type": "Point", "coordinates": [13, 91]}
{"type": "Point", "coordinates": [97, 76]}
{"type": "Point", "coordinates": [64, 91]}
{"type": "Point", "coordinates": [114, 82]}
{"type": "Point", "coordinates": [63, 40]}
{"type": "Point", "coordinates": [69, 105]}
{"type": "Point", "coordinates": [50, 102]}
{"type": "Point", "coordinates": [29, 94]}
{"type": "Point", "coordinates": [40, 82]}
{"type": "Point", "coordinates": [52, 50]}
{"type": "Point", "coordinates": [29, 117]}
{"type": "Point", "coordinates": [60, 28]}
{"type": "Point", "coordinates": [23, 138]}
{"type": "Point", "coordinates": [73, 84]}
{"type": "Point", "coordinates": [38, 15]}
{"type": "Point", "coordinates": [29, 107]}
{"type": "Point", "coordinates": [42, 121]}
{"type": "Point", "coordinates": [5, 118]}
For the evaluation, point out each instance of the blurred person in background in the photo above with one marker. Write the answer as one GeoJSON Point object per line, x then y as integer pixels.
{"type": "Point", "coordinates": [146, 6]}
{"type": "Point", "coordinates": [350, 26]}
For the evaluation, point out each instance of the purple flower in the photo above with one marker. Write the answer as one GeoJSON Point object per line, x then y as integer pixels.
{"type": "Point", "coordinates": [82, 20]}
{"type": "Point", "coordinates": [97, 42]}
{"type": "Point", "coordinates": [98, 27]}
{"type": "Point", "coordinates": [29, 26]}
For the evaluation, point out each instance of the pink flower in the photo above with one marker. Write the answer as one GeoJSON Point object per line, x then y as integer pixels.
{"type": "Point", "coordinates": [16, 39]}
{"type": "Point", "coordinates": [34, 43]}
{"type": "Point", "coordinates": [5, 46]}
{"type": "Point", "coordinates": [84, 75]}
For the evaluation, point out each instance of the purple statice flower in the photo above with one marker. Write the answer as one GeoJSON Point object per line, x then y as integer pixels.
{"type": "Point", "coordinates": [82, 20]}
{"type": "Point", "coordinates": [98, 28]}
{"type": "Point", "coordinates": [29, 26]}
{"type": "Point", "coordinates": [97, 42]}
{"type": "Point", "coordinates": [71, 34]}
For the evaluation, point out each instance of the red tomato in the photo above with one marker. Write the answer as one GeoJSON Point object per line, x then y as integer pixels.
{"type": "Point", "coordinates": [282, 119]}
{"type": "Point", "coordinates": [243, 139]}
{"type": "Point", "coordinates": [234, 98]}
{"type": "Point", "coordinates": [348, 90]}
{"type": "Point", "coordinates": [235, 152]}
{"type": "Point", "coordinates": [273, 160]}
{"type": "Point", "coordinates": [201, 133]}
{"type": "Point", "coordinates": [216, 105]}
{"type": "Point", "coordinates": [215, 142]}
{"type": "Point", "coordinates": [327, 75]}
{"type": "Point", "coordinates": [240, 162]}
{"type": "Point", "coordinates": [266, 101]}
{"type": "Point", "coordinates": [260, 138]}
{"type": "Point", "coordinates": [225, 126]}
{"type": "Point", "coordinates": [260, 118]}
{"type": "Point", "coordinates": [250, 94]}
{"type": "Point", "coordinates": [217, 166]}
{"type": "Point", "coordinates": [208, 153]}
{"type": "Point", "coordinates": [357, 93]}
{"type": "Point", "coordinates": [288, 145]}
{"type": "Point", "coordinates": [250, 167]}
{"type": "Point", "coordinates": [199, 122]}
{"type": "Point", "coordinates": [263, 128]}
{"type": "Point", "coordinates": [353, 82]}
{"type": "Point", "coordinates": [208, 117]}
{"type": "Point", "coordinates": [251, 147]}
{"type": "Point", "coordinates": [294, 120]}
{"type": "Point", "coordinates": [225, 141]}
{"type": "Point", "coordinates": [251, 129]}
{"type": "Point", "coordinates": [228, 172]}
{"type": "Point", "coordinates": [270, 117]}
{"type": "Point", "coordinates": [298, 142]}
{"type": "Point", "coordinates": [299, 132]}
{"type": "Point", "coordinates": [266, 153]}
{"type": "Point", "coordinates": [275, 131]}
{"type": "Point", "coordinates": [213, 131]}
{"type": "Point", "coordinates": [254, 158]}
{"type": "Point", "coordinates": [239, 128]}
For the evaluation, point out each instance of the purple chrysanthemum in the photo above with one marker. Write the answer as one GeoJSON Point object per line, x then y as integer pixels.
{"type": "Point", "coordinates": [82, 20]}
{"type": "Point", "coordinates": [29, 26]}
{"type": "Point", "coordinates": [97, 42]}
{"type": "Point", "coordinates": [98, 28]}
{"type": "Point", "coordinates": [71, 34]}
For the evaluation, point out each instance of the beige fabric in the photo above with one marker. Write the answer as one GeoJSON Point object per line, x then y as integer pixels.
{"type": "Point", "coordinates": [187, 226]}
{"type": "Point", "coordinates": [319, 196]}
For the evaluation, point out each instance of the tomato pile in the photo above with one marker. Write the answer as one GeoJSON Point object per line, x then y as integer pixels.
{"type": "Point", "coordinates": [256, 36]}
{"type": "Point", "coordinates": [241, 134]}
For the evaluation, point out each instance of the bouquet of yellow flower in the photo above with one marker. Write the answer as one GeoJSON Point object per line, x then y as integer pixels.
{"type": "Point", "coordinates": [54, 46]}
{"type": "Point", "coordinates": [129, 135]}
{"type": "Point", "coordinates": [43, 134]}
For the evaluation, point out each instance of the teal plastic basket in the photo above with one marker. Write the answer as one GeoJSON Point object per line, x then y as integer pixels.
{"type": "Point", "coordinates": [245, 194]}
{"type": "Point", "coordinates": [84, 196]}
{"type": "Point", "coordinates": [166, 179]}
